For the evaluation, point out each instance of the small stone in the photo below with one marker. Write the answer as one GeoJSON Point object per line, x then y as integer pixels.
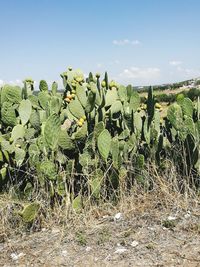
{"type": "Point", "coordinates": [106, 217]}
{"type": "Point", "coordinates": [16, 257]}
{"type": "Point", "coordinates": [187, 215]}
{"type": "Point", "coordinates": [171, 218]}
{"type": "Point", "coordinates": [88, 249]}
{"type": "Point", "coordinates": [55, 231]}
{"type": "Point", "coordinates": [134, 244]}
{"type": "Point", "coordinates": [64, 253]}
{"type": "Point", "coordinates": [118, 217]}
{"type": "Point", "coordinates": [120, 250]}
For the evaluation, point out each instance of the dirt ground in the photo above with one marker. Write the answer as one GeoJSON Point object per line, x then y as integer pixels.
{"type": "Point", "coordinates": [150, 236]}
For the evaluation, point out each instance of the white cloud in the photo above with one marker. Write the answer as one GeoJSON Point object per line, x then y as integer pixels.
{"type": "Point", "coordinates": [126, 42]}
{"type": "Point", "coordinates": [175, 63]}
{"type": "Point", "coordinates": [140, 73]}
{"type": "Point", "coordinates": [140, 76]}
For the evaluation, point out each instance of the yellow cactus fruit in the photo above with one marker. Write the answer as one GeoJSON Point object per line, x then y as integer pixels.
{"type": "Point", "coordinates": [111, 84]}
{"type": "Point", "coordinates": [69, 96]}
{"type": "Point", "coordinates": [145, 106]}
{"type": "Point", "coordinates": [73, 91]}
{"type": "Point", "coordinates": [18, 145]}
{"type": "Point", "coordinates": [97, 75]}
{"type": "Point", "coordinates": [157, 105]}
{"type": "Point", "coordinates": [73, 96]}
{"type": "Point", "coordinates": [79, 79]}
{"type": "Point", "coordinates": [67, 99]}
{"type": "Point", "coordinates": [84, 117]}
{"type": "Point", "coordinates": [81, 120]}
{"type": "Point", "coordinates": [73, 84]}
{"type": "Point", "coordinates": [79, 123]}
{"type": "Point", "coordinates": [103, 84]}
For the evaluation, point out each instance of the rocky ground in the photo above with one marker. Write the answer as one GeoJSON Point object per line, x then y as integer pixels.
{"type": "Point", "coordinates": [153, 236]}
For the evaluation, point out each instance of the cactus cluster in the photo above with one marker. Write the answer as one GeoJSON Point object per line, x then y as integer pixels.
{"type": "Point", "coordinates": [91, 127]}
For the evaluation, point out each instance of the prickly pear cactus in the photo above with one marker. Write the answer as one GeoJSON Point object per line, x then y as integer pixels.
{"type": "Point", "coordinates": [90, 102]}
{"type": "Point", "coordinates": [55, 104]}
{"type": "Point", "coordinates": [104, 144]}
{"type": "Point", "coordinates": [30, 212]}
{"type": "Point", "coordinates": [187, 107]}
{"type": "Point", "coordinates": [111, 97]}
{"type": "Point", "coordinates": [18, 132]}
{"type": "Point", "coordinates": [175, 116]}
{"type": "Point", "coordinates": [52, 130]}
{"type": "Point", "coordinates": [81, 133]}
{"type": "Point", "coordinates": [54, 88]}
{"type": "Point", "coordinates": [81, 94]}
{"type": "Point", "coordinates": [8, 114]}
{"type": "Point", "coordinates": [35, 119]}
{"type": "Point", "coordinates": [12, 94]}
{"type": "Point", "coordinates": [76, 108]}
{"type": "Point", "coordinates": [134, 101]}
{"type": "Point", "coordinates": [43, 86]}
{"type": "Point", "coordinates": [43, 98]}
{"type": "Point", "coordinates": [25, 110]}
{"type": "Point", "coordinates": [115, 152]}
{"type": "Point", "coordinates": [64, 141]}
{"type": "Point", "coordinates": [92, 126]}
{"type": "Point", "coordinates": [47, 169]}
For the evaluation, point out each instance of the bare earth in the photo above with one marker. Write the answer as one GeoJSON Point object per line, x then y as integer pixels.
{"type": "Point", "coordinates": [154, 237]}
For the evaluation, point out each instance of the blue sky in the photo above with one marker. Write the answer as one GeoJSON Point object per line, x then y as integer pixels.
{"type": "Point", "coordinates": [137, 41]}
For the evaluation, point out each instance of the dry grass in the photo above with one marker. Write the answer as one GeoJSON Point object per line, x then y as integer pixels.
{"type": "Point", "coordinates": [60, 230]}
{"type": "Point", "coordinates": [164, 195]}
